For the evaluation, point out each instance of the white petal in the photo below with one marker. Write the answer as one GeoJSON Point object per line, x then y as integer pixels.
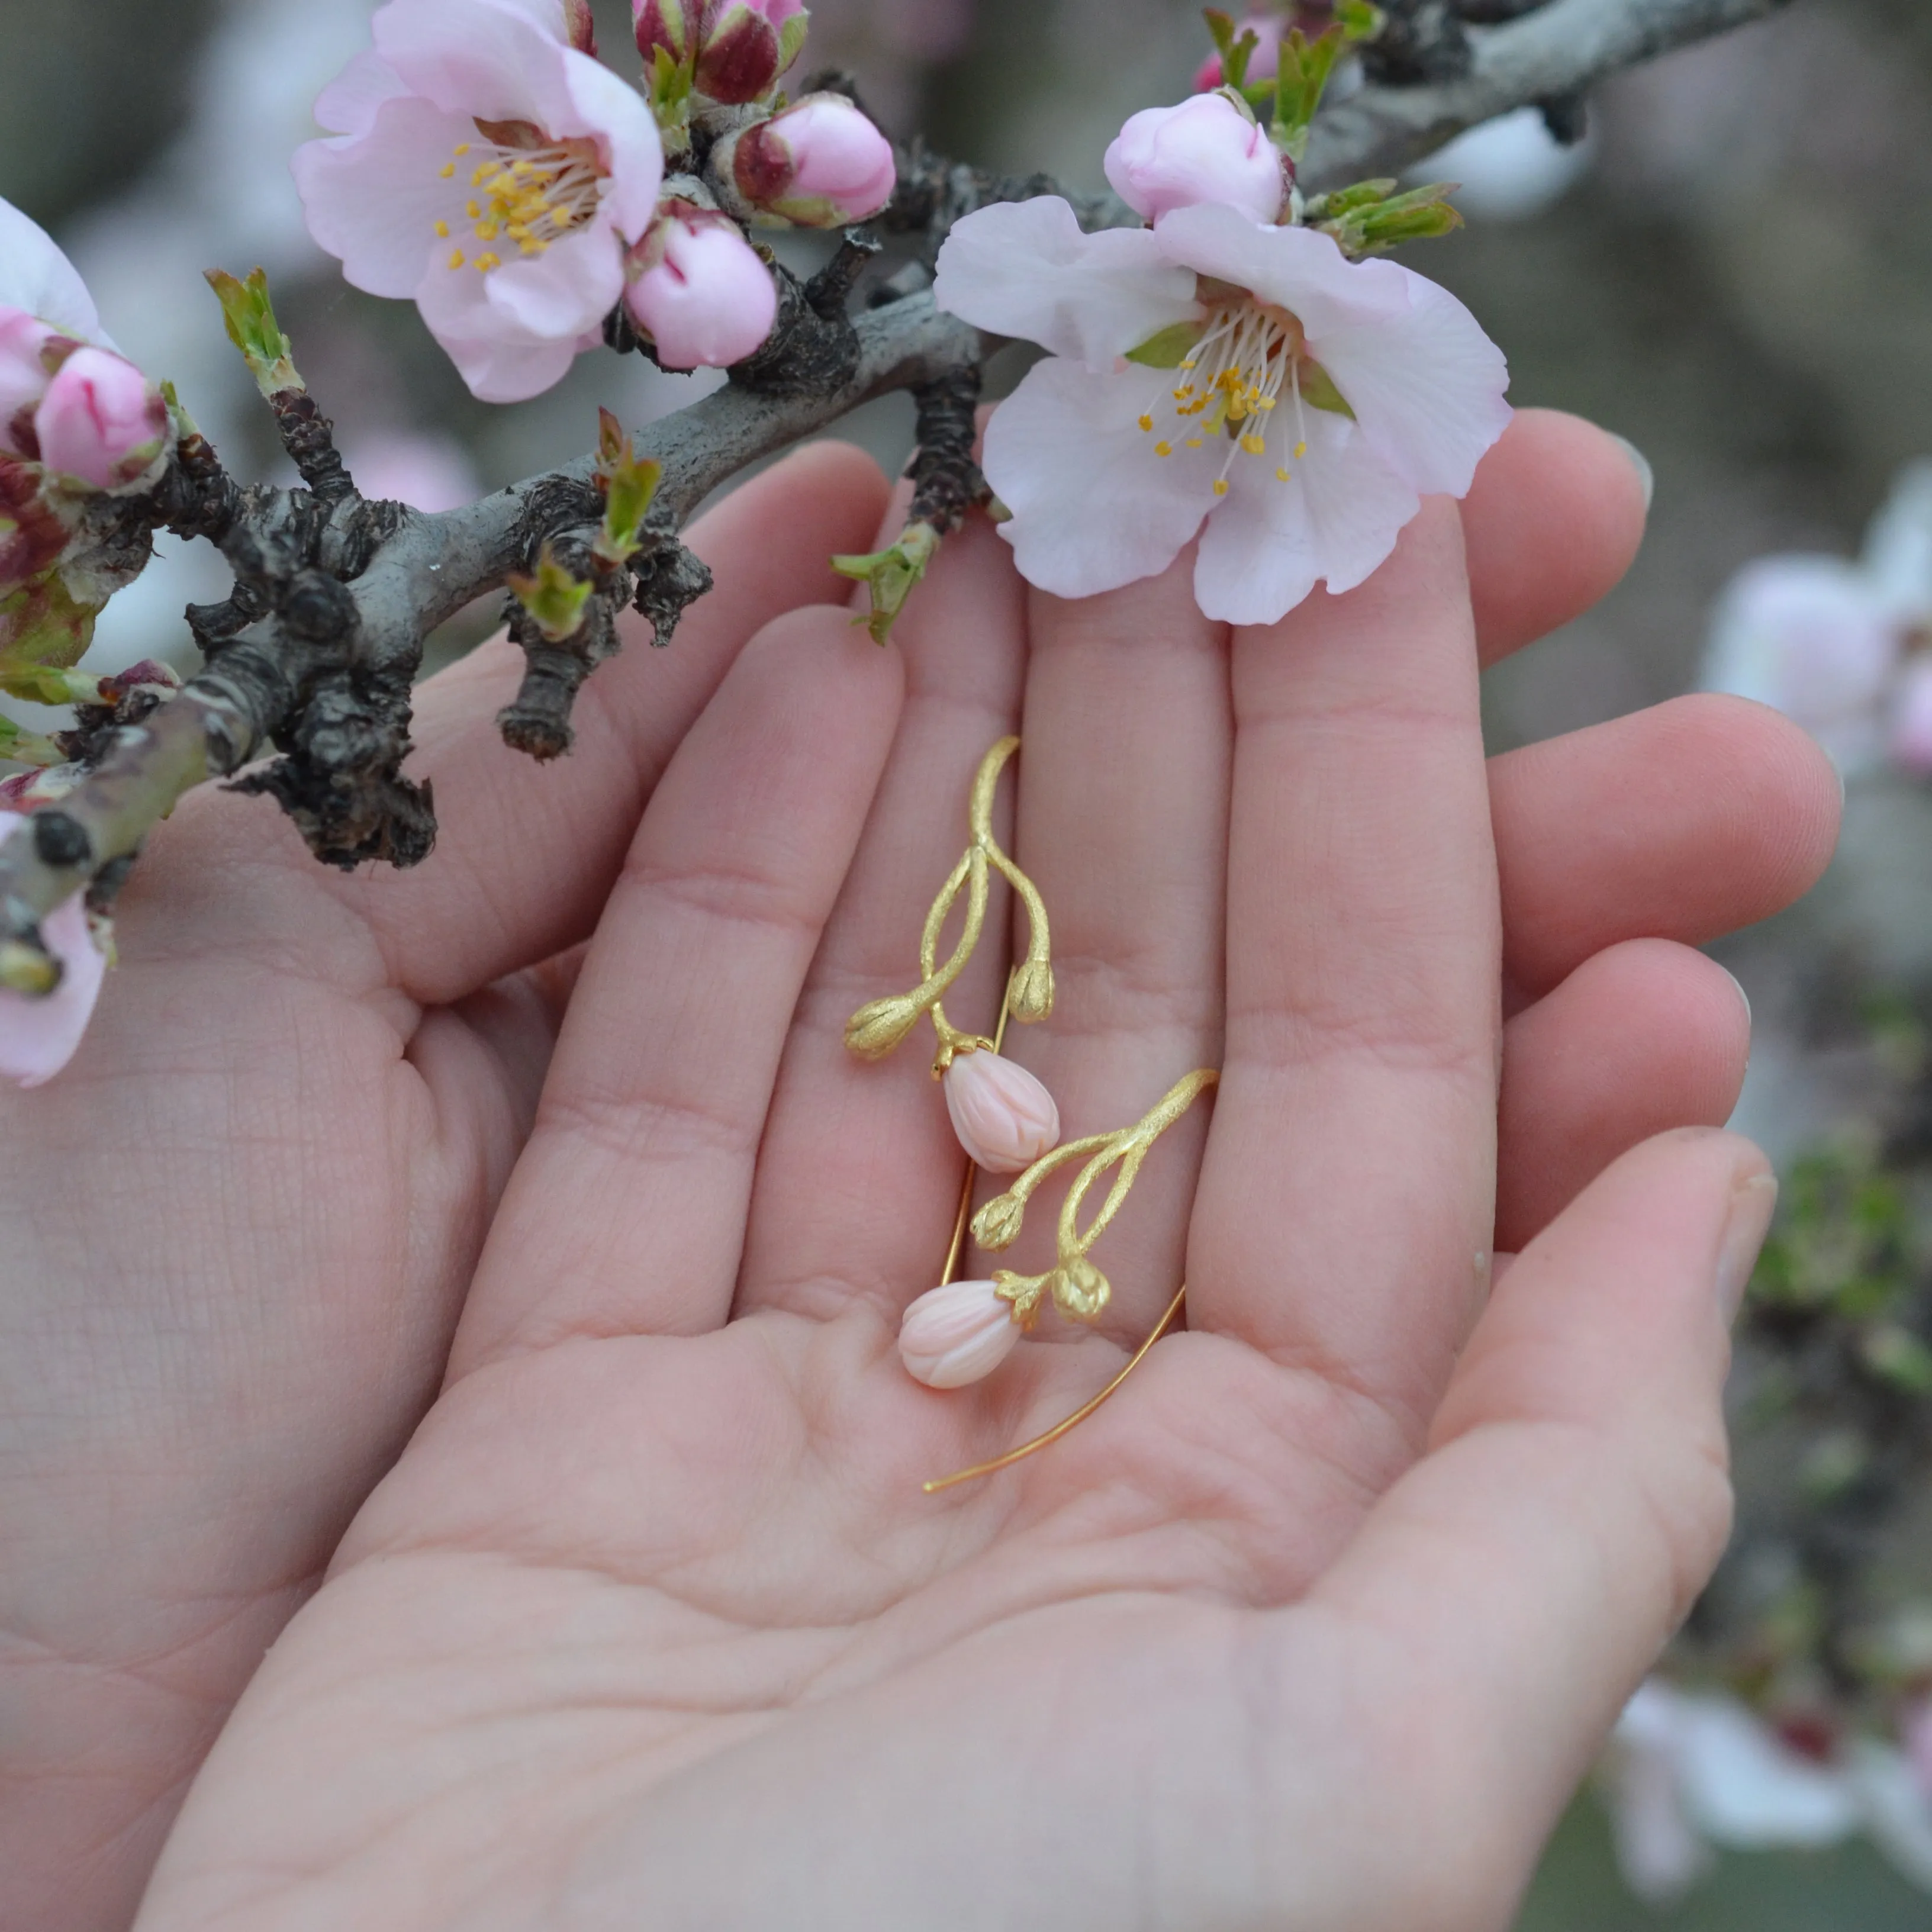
{"type": "Point", "coordinates": [1897, 1815]}
{"type": "Point", "coordinates": [1093, 507]}
{"type": "Point", "coordinates": [498, 359]}
{"type": "Point", "coordinates": [484, 58]}
{"type": "Point", "coordinates": [1268, 543]}
{"type": "Point", "coordinates": [564, 292]}
{"type": "Point", "coordinates": [1744, 1788]}
{"type": "Point", "coordinates": [348, 104]}
{"type": "Point", "coordinates": [1898, 546]}
{"type": "Point", "coordinates": [36, 276]}
{"type": "Point", "coordinates": [1659, 1855]}
{"type": "Point", "coordinates": [1426, 384]}
{"type": "Point", "coordinates": [602, 105]}
{"type": "Point", "coordinates": [1025, 269]}
{"type": "Point", "coordinates": [374, 202]}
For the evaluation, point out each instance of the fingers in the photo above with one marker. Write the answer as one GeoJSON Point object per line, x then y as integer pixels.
{"type": "Point", "coordinates": [626, 1212]}
{"type": "Point", "coordinates": [1554, 518]}
{"type": "Point", "coordinates": [1685, 821]}
{"type": "Point", "coordinates": [1344, 1209]}
{"type": "Point", "coordinates": [1643, 1037]}
{"type": "Point", "coordinates": [861, 1174]}
{"type": "Point", "coordinates": [526, 853]}
{"type": "Point", "coordinates": [1518, 1581]}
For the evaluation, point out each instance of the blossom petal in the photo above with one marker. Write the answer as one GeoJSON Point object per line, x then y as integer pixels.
{"type": "Point", "coordinates": [374, 202]}
{"type": "Point", "coordinates": [36, 276]}
{"type": "Point", "coordinates": [569, 291]}
{"type": "Point", "coordinates": [1426, 384]}
{"type": "Point", "coordinates": [500, 358]}
{"type": "Point", "coordinates": [1026, 268]}
{"type": "Point", "coordinates": [1336, 519]}
{"type": "Point", "coordinates": [1092, 506]}
{"type": "Point", "coordinates": [348, 104]}
{"type": "Point", "coordinates": [486, 57]}
{"type": "Point", "coordinates": [605, 106]}
{"type": "Point", "coordinates": [38, 1037]}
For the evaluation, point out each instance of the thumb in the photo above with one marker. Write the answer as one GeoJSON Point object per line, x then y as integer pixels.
{"type": "Point", "coordinates": [1576, 1496]}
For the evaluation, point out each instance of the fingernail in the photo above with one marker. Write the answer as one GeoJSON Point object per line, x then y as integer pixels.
{"type": "Point", "coordinates": [1640, 464]}
{"type": "Point", "coordinates": [1751, 1204]}
{"type": "Point", "coordinates": [1742, 995]}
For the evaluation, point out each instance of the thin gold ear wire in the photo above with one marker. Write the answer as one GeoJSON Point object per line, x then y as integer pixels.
{"type": "Point", "coordinates": [1078, 1288]}
{"type": "Point", "coordinates": [879, 1026]}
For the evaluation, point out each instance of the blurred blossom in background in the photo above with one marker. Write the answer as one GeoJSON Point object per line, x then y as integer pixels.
{"type": "Point", "coordinates": [1732, 269]}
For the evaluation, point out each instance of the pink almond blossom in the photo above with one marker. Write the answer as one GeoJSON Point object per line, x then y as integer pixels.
{"type": "Point", "coordinates": [100, 421]}
{"type": "Point", "coordinates": [482, 165]}
{"type": "Point", "coordinates": [39, 1037]}
{"type": "Point", "coordinates": [1204, 150]}
{"type": "Point", "coordinates": [1316, 401]}
{"type": "Point", "coordinates": [697, 288]}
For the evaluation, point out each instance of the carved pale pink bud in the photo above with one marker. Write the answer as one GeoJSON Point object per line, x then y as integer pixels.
{"type": "Point", "coordinates": [957, 1334]}
{"type": "Point", "coordinates": [1005, 1119]}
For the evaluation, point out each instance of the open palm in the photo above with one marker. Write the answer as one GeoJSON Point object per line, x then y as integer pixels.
{"type": "Point", "coordinates": [652, 1621]}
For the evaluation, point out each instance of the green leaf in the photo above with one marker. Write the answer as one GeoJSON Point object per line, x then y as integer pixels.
{"type": "Point", "coordinates": [628, 485]}
{"type": "Point", "coordinates": [554, 599]}
{"type": "Point", "coordinates": [892, 574]}
{"type": "Point", "coordinates": [1420, 215]}
{"type": "Point", "coordinates": [250, 318]}
{"type": "Point", "coordinates": [1167, 348]}
{"type": "Point", "coordinates": [791, 39]}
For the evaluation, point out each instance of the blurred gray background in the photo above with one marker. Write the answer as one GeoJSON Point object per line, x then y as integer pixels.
{"type": "Point", "coordinates": [1735, 271]}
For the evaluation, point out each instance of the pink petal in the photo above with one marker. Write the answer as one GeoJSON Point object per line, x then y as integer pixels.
{"type": "Point", "coordinates": [1026, 268]}
{"type": "Point", "coordinates": [374, 202]}
{"type": "Point", "coordinates": [38, 1037]}
{"type": "Point", "coordinates": [1093, 507]}
{"type": "Point", "coordinates": [348, 104]}
{"type": "Point", "coordinates": [602, 105]}
{"type": "Point", "coordinates": [484, 58]}
{"type": "Point", "coordinates": [36, 276]}
{"type": "Point", "coordinates": [1269, 543]}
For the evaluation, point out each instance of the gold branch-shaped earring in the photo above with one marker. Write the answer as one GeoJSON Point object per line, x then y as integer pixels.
{"type": "Point", "coordinates": [1003, 1117]}
{"type": "Point", "coordinates": [962, 1331]}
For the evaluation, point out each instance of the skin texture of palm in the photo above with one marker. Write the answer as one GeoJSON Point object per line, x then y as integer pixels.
{"type": "Point", "coordinates": [651, 1617]}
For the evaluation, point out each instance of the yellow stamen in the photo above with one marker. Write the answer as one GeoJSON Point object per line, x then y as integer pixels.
{"type": "Point", "coordinates": [1300, 451]}
{"type": "Point", "coordinates": [1253, 445]}
{"type": "Point", "coordinates": [443, 230]}
{"type": "Point", "coordinates": [1147, 422]}
{"type": "Point", "coordinates": [1220, 486]}
{"type": "Point", "coordinates": [485, 262]}
{"type": "Point", "coordinates": [1194, 442]}
{"type": "Point", "coordinates": [462, 147]}
{"type": "Point", "coordinates": [456, 259]}
{"type": "Point", "coordinates": [474, 209]}
{"type": "Point", "coordinates": [1281, 475]}
{"type": "Point", "coordinates": [1163, 449]}
{"type": "Point", "coordinates": [448, 169]}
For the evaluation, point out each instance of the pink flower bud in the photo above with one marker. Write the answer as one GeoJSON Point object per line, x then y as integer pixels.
{"type": "Point", "coordinates": [1909, 739]}
{"type": "Point", "coordinates": [25, 368]}
{"type": "Point", "coordinates": [99, 421]}
{"type": "Point", "coordinates": [1005, 1119]}
{"type": "Point", "coordinates": [1204, 150]}
{"type": "Point", "coordinates": [747, 45]}
{"type": "Point", "coordinates": [957, 1334]}
{"type": "Point", "coordinates": [667, 24]}
{"type": "Point", "coordinates": [697, 288]}
{"type": "Point", "coordinates": [819, 164]}
{"type": "Point", "coordinates": [38, 1037]}
{"type": "Point", "coordinates": [1269, 30]}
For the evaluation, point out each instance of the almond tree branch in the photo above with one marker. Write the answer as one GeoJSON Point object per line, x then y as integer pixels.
{"type": "Point", "coordinates": [1555, 51]}
{"type": "Point", "coordinates": [315, 651]}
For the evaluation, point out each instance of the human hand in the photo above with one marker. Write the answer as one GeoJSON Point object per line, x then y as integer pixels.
{"type": "Point", "coordinates": [236, 1234]}
{"type": "Point", "coordinates": [1320, 1619]}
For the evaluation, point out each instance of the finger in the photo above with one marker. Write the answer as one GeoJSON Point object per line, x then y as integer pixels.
{"type": "Point", "coordinates": [626, 1213]}
{"type": "Point", "coordinates": [1124, 827]}
{"type": "Point", "coordinates": [1643, 1037]}
{"type": "Point", "coordinates": [1344, 1204]}
{"type": "Point", "coordinates": [527, 852]}
{"type": "Point", "coordinates": [1518, 1581]}
{"type": "Point", "coordinates": [1551, 524]}
{"type": "Point", "coordinates": [1683, 822]}
{"type": "Point", "coordinates": [861, 1175]}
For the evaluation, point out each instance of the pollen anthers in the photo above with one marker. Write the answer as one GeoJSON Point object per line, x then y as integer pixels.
{"type": "Point", "coordinates": [880, 1025]}
{"type": "Point", "coordinates": [1073, 1284]}
{"type": "Point", "coordinates": [1248, 353]}
{"type": "Point", "coordinates": [526, 191]}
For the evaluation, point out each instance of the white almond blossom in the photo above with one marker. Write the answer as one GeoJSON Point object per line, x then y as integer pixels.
{"type": "Point", "coordinates": [1687, 1770]}
{"type": "Point", "coordinates": [1316, 400]}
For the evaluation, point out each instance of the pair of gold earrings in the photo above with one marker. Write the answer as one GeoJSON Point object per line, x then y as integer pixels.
{"type": "Point", "coordinates": [961, 1331]}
